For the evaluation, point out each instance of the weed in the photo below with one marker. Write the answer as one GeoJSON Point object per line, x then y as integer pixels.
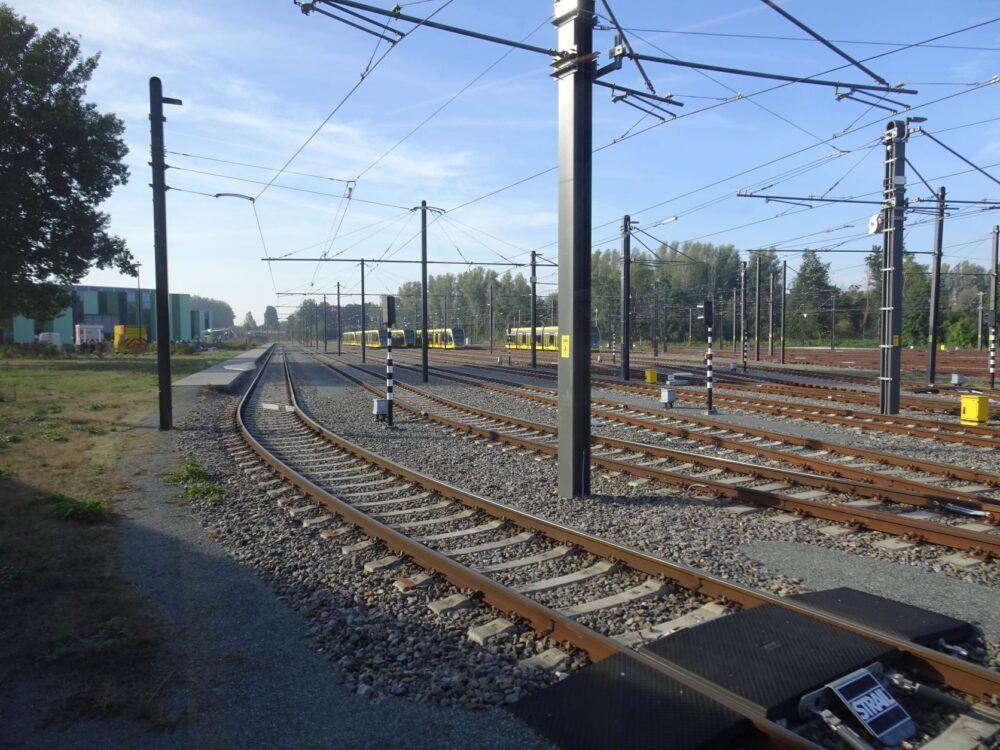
{"type": "Point", "coordinates": [38, 415]}
{"type": "Point", "coordinates": [53, 435]}
{"type": "Point", "coordinates": [10, 439]}
{"type": "Point", "coordinates": [209, 491]}
{"type": "Point", "coordinates": [90, 429]}
{"type": "Point", "coordinates": [189, 472]}
{"type": "Point", "coordinates": [71, 645]}
{"type": "Point", "coordinates": [99, 407]}
{"type": "Point", "coordinates": [85, 511]}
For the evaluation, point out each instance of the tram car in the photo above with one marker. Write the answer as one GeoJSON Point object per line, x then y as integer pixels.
{"type": "Point", "coordinates": [402, 338]}
{"type": "Point", "coordinates": [440, 338]}
{"type": "Point", "coordinates": [546, 338]}
{"type": "Point", "coordinates": [373, 339]}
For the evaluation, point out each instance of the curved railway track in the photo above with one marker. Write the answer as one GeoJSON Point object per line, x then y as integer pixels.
{"type": "Point", "coordinates": [343, 480]}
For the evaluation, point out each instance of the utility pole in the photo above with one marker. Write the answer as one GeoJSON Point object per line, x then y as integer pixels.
{"type": "Point", "coordinates": [156, 147]}
{"type": "Point", "coordinates": [666, 318]}
{"type": "Point", "coordinates": [833, 322]}
{"type": "Point", "coordinates": [340, 332]}
{"type": "Point", "coordinates": [756, 311]}
{"type": "Point", "coordinates": [423, 290]}
{"type": "Point", "coordinates": [690, 325]}
{"type": "Point", "coordinates": [894, 193]}
{"type": "Point", "coordinates": [364, 316]}
{"type": "Point", "coordinates": [734, 321]}
{"type": "Point", "coordinates": [979, 327]}
{"type": "Point", "coordinates": [993, 307]}
{"type": "Point", "coordinates": [324, 324]}
{"type": "Point", "coordinates": [784, 298]}
{"type": "Point", "coordinates": [534, 310]}
{"type": "Point", "coordinates": [626, 294]}
{"type": "Point", "coordinates": [770, 317]}
{"type": "Point", "coordinates": [656, 319]}
{"type": "Point", "coordinates": [491, 316]}
{"type": "Point", "coordinates": [935, 318]}
{"type": "Point", "coordinates": [574, 73]}
{"type": "Point", "coordinates": [744, 332]}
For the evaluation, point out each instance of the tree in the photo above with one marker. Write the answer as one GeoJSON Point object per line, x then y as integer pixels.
{"type": "Point", "coordinates": [249, 323]}
{"type": "Point", "coordinates": [61, 158]}
{"type": "Point", "coordinates": [808, 294]}
{"type": "Point", "coordinates": [270, 318]}
{"type": "Point", "coordinates": [222, 314]}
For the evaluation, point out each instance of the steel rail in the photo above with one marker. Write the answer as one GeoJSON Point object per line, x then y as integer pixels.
{"type": "Point", "coordinates": [978, 543]}
{"type": "Point", "coordinates": [542, 619]}
{"type": "Point", "coordinates": [545, 395]}
{"type": "Point", "coordinates": [964, 676]}
{"type": "Point", "coordinates": [944, 432]}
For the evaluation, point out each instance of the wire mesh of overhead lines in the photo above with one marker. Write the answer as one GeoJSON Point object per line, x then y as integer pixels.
{"type": "Point", "coordinates": [477, 139]}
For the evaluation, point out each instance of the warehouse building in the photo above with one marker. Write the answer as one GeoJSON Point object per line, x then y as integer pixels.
{"type": "Point", "coordinates": [110, 306]}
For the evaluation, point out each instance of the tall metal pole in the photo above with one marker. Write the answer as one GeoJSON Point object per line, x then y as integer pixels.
{"type": "Point", "coordinates": [156, 146]}
{"type": "Point", "coordinates": [734, 320]}
{"type": "Point", "coordinates": [993, 307]}
{"type": "Point", "coordinates": [770, 317]}
{"type": "Point", "coordinates": [756, 311]}
{"type": "Point", "coordinates": [574, 73]}
{"type": "Point", "coordinates": [656, 320]}
{"type": "Point", "coordinates": [534, 310]}
{"type": "Point", "coordinates": [340, 334]}
{"type": "Point", "coordinates": [935, 316]}
{"type": "Point", "coordinates": [423, 290]}
{"type": "Point", "coordinates": [666, 317]}
{"type": "Point", "coordinates": [979, 325]}
{"type": "Point", "coordinates": [626, 294]}
{"type": "Point", "coordinates": [364, 315]}
{"type": "Point", "coordinates": [491, 316]}
{"type": "Point", "coordinates": [784, 298]}
{"type": "Point", "coordinates": [708, 367]}
{"type": "Point", "coordinates": [744, 331]}
{"type": "Point", "coordinates": [325, 329]}
{"type": "Point", "coordinates": [690, 325]}
{"type": "Point", "coordinates": [894, 193]}
{"type": "Point", "coordinates": [833, 322]}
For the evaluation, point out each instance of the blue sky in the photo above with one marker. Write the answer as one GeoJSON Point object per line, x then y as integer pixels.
{"type": "Point", "coordinates": [258, 77]}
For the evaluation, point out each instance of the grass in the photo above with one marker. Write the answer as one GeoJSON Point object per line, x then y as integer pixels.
{"type": "Point", "coordinates": [73, 633]}
{"type": "Point", "coordinates": [198, 483]}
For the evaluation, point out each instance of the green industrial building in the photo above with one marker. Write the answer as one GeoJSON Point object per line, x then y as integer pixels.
{"type": "Point", "coordinates": [110, 306]}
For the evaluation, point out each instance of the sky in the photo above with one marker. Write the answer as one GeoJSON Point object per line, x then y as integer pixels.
{"type": "Point", "coordinates": [366, 131]}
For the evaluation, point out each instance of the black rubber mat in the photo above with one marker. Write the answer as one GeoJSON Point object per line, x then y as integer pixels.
{"type": "Point", "coordinates": [904, 620]}
{"type": "Point", "coordinates": [621, 703]}
{"type": "Point", "coordinates": [769, 655]}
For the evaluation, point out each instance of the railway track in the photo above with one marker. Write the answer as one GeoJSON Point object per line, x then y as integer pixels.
{"type": "Point", "coordinates": [915, 427]}
{"type": "Point", "coordinates": [415, 516]}
{"type": "Point", "coordinates": [893, 469]}
{"type": "Point", "coordinates": [869, 501]}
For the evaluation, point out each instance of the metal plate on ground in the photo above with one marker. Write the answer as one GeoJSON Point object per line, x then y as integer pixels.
{"type": "Point", "coordinates": [621, 703]}
{"type": "Point", "coordinates": [770, 655]}
{"type": "Point", "coordinates": [905, 620]}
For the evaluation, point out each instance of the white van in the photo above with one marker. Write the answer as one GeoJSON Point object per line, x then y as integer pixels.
{"type": "Point", "coordinates": [52, 339]}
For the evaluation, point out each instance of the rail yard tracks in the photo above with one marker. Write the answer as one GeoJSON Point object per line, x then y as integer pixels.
{"type": "Point", "coordinates": [399, 506]}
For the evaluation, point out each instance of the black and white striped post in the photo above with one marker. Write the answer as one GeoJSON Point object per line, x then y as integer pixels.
{"type": "Point", "coordinates": [707, 316]}
{"type": "Point", "coordinates": [388, 375]}
{"type": "Point", "coordinates": [389, 319]}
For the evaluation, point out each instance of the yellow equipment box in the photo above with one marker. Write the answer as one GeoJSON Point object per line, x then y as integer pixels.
{"type": "Point", "coordinates": [975, 409]}
{"type": "Point", "coordinates": [651, 376]}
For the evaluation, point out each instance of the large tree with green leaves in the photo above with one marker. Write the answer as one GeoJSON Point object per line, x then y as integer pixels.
{"type": "Point", "coordinates": [59, 160]}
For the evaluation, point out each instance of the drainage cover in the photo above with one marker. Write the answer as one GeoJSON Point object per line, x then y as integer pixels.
{"type": "Point", "coordinates": [769, 655]}
{"type": "Point", "coordinates": [620, 702]}
{"type": "Point", "coordinates": [904, 620]}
